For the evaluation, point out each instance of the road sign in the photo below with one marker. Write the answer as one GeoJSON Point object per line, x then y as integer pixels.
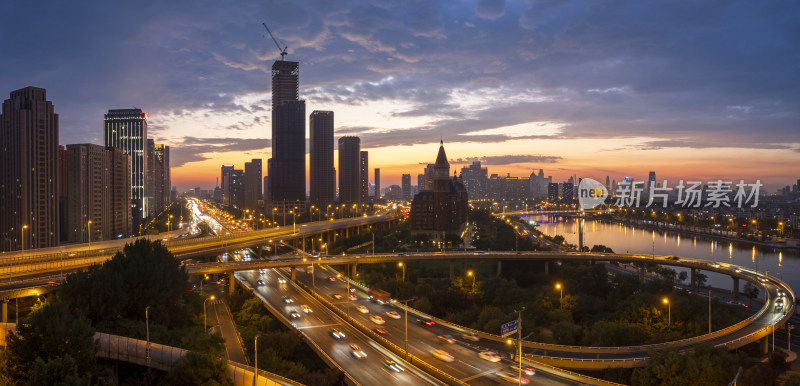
{"type": "Point", "coordinates": [508, 328]}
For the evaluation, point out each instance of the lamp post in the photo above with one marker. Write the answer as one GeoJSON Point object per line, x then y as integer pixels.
{"type": "Point", "coordinates": [405, 304]}
{"type": "Point", "coordinates": [519, 344]}
{"type": "Point", "coordinates": [202, 281]}
{"type": "Point", "coordinates": [147, 326]}
{"type": "Point", "coordinates": [169, 224]}
{"type": "Point", "coordinates": [255, 366]}
{"type": "Point", "coordinates": [294, 220]}
{"type": "Point", "coordinates": [24, 227]}
{"type": "Point", "coordinates": [401, 265]}
{"type": "Point", "coordinates": [516, 238]}
{"type": "Point", "coordinates": [205, 326]}
{"type": "Point", "coordinates": [470, 273]}
{"type": "Point", "coordinates": [789, 328]}
{"type": "Point", "coordinates": [669, 311]}
{"type": "Point", "coordinates": [90, 232]}
{"type": "Point", "coordinates": [273, 216]}
{"type": "Point", "coordinates": [561, 296]}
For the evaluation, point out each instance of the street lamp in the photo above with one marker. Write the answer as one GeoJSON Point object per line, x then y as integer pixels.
{"type": "Point", "coordinates": [24, 227]}
{"type": "Point", "coordinates": [561, 296]}
{"type": "Point", "coordinates": [401, 265]}
{"type": "Point", "coordinates": [90, 232]}
{"type": "Point", "coordinates": [516, 238]}
{"type": "Point", "coordinates": [470, 273]}
{"type": "Point", "coordinates": [205, 327]}
{"type": "Point", "coordinates": [169, 224]}
{"type": "Point", "coordinates": [669, 311]}
{"type": "Point", "coordinates": [147, 326]}
{"type": "Point", "coordinates": [294, 216]}
{"type": "Point", "coordinates": [273, 215]}
{"type": "Point", "coordinates": [405, 304]}
{"type": "Point", "coordinates": [255, 366]}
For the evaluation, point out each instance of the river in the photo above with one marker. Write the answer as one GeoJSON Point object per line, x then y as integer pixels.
{"type": "Point", "coordinates": [785, 264]}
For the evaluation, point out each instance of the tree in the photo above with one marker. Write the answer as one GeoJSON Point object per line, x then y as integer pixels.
{"type": "Point", "coordinates": [199, 369]}
{"type": "Point", "coordinates": [750, 291]}
{"type": "Point", "coordinates": [50, 343]}
{"type": "Point", "coordinates": [682, 276]}
{"type": "Point", "coordinates": [707, 365]}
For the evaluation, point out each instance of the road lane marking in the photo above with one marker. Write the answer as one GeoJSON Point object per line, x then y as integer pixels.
{"type": "Point", "coordinates": [319, 325]}
{"type": "Point", "coordinates": [487, 372]}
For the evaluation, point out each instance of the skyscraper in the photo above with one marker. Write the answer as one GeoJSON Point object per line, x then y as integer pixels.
{"type": "Point", "coordinates": [349, 169]}
{"type": "Point", "coordinates": [98, 193]}
{"type": "Point", "coordinates": [162, 184]}
{"type": "Point", "coordinates": [405, 183]}
{"type": "Point", "coordinates": [363, 165]}
{"type": "Point", "coordinates": [287, 167]}
{"type": "Point", "coordinates": [252, 183]}
{"type": "Point", "coordinates": [127, 130]}
{"type": "Point", "coordinates": [377, 184]}
{"type": "Point", "coordinates": [29, 172]}
{"type": "Point", "coordinates": [322, 173]}
{"type": "Point", "coordinates": [237, 188]}
{"type": "Point", "coordinates": [420, 182]}
{"type": "Point", "coordinates": [225, 175]}
{"type": "Point", "coordinates": [475, 179]}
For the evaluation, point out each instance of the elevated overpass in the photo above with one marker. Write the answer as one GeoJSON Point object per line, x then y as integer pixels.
{"type": "Point", "coordinates": [754, 328]}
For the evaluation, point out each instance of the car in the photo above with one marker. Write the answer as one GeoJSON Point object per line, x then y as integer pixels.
{"type": "Point", "coordinates": [353, 290]}
{"type": "Point", "coordinates": [352, 297]}
{"type": "Point", "coordinates": [332, 278]}
{"type": "Point", "coordinates": [337, 333]}
{"type": "Point", "coordinates": [442, 355]}
{"type": "Point", "coordinates": [294, 314]}
{"type": "Point", "coordinates": [527, 370]}
{"type": "Point", "coordinates": [381, 330]}
{"type": "Point", "coordinates": [337, 296]}
{"type": "Point", "coordinates": [446, 338]}
{"type": "Point", "coordinates": [426, 322]}
{"type": "Point", "coordinates": [470, 336]}
{"type": "Point", "coordinates": [362, 309]}
{"type": "Point", "coordinates": [392, 365]}
{"type": "Point", "coordinates": [282, 280]}
{"type": "Point", "coordinates": [490, 356]}
{"type": "Point", "coordinates": [357, 352]}
{"type": "Point", "coordinates": [513, 377]}
{"type": "Point", "coordinates": [288, 300]}
{"type": "Point", "coordinates": [781, 293]}
{"type": "Point", "coordinates": [260, 282]}
{"type": "Point", "coordinates": [393, 314]}
{"type": "Point", "coordinates": [377, 319]}
{"type": "Point", "coordinates": [779, 304]}
{"type": "Point", "coordinates": [306, 309]}
{"type": "Point", "coordinates": [478, 252]}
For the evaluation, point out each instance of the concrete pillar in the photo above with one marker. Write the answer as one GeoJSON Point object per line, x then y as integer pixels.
{"type": "Point", "coordinates": [294, 270]}
{"type": "Point", "coordinates": [764, 343]}
{"type": "Point", "coordinates": [452, 270]}
{"type": "Point", "coordinates": [499, 267]}
{"type": "Point", "coordinates": [546, 267]}
{"type": "Point", "coordinates": [232, 282]}
{"type": "Point", "coordinates": [5, 311]}
{"type": "Point", "coordinates": [346, 233]}
{"type": "Point", "coordinates": [353, 271]}
{"type": "Point", "coordinates": [735, 287]}
{"type": "Point", "coordinates": [304, 243]}
{"type": "Point", "coordinates": [693, 277]}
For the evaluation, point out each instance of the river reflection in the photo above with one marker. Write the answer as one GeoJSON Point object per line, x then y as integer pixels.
{"type": "Point", "coordinates": [629, 239]}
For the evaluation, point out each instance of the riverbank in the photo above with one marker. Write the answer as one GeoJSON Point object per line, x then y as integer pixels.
{"type": "Point", "coordinates": [697, 231]}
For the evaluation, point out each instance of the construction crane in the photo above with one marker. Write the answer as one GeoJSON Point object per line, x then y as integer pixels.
{"type": "Point", "coordinates": [282, 50]}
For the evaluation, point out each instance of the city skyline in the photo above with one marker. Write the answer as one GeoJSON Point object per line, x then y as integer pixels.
{"type": "Point", "coordinates": [692, 91]}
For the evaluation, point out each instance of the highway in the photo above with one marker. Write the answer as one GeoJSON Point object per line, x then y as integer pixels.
{"type": "Point", "coordinates": [467, 366]}
{"type": "Point", "coordinates": [317, 325]}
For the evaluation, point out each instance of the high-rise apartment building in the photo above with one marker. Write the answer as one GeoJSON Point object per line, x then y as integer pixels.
{"type": "Point", "coordinates": [377, 184]}
{"type": "Point", "coordinates": [567, 192]}
{"type": "Point", "coordinates": [98, 193]}
{"type": "Point", "coordinates": [552, 192]}
{"type": "Point", "coordinates": [405, 184]}
{"type": "Point", "coordinates": [162, 183]}
{"type": "Point", "coordinates": [420, 182]}
{"type": "Point", "coordinates": [225, 177]}
{"type": "Point", "coordinates": [475, 179]}
{"type": "Point", "coordinates": [363, 171]}
{"type": "Point", "coordinates": [349, 169]}
{"type": "Point", "coordinates": [287, 167]}
{"type": "Point", "coordinates": [126, 129]}
{"type": "Point", "coordinates": [62, 194]}
{"type": "Point", "coordinates": [29, 171]}
{"type": "Point", "coordinates": [322, 173]}
{"type": "Point", "coordinates": [252, 184]}
{"type": "Point", "coordinates": [237, 188]}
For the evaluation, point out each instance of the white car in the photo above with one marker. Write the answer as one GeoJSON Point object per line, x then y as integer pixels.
{"type": "Point", "coordinates": [446, 338]}
{"type": "Point", "coordinates": [288, 300]}
{"type": "Point", "coordinates": [443, 355]}
{"type": "Point", "coordinates": [307, 309]}
{"type": "Point", "coordinates": [392, 365]}
{"type": "Point", "coordinates": [282, 280]}
{"type": "Point", "coordinates": [393, 314]}
{"type": "Point", "coordinates": [294, 314]}
{"type": "Point", "coordinates": [362, 309]}
{"type": "Point", "coordinates": [490, 356]}
{"type": "Point", "coordinates": [470, 336]}
{"type": "Point", "coordinates": [513, 377]}
{"type": "Point", "coordinates": [337, 334]}
{"type": "Point", "coordinates": [357, 352]}
{"type": "Point", "coordinates": [377, 319]}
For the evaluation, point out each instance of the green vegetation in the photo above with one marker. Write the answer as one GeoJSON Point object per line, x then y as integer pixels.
{"type": "Point", "coordinates": [280, 350]}
{"type": "Point", "coordinates": [55, 341]}
{"type": "Point", "coordinates": [495, 234]}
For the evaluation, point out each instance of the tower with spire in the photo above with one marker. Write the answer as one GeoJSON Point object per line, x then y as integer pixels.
{"type": "Point", "coordinates": [443, 207]}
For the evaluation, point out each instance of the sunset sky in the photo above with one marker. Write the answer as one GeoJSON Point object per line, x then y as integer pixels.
{"type": "Point", "coordinates": [691, 90]}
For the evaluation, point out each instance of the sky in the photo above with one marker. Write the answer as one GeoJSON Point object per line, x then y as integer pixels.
{"type": "Point", "coordinates": [689, 89]}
